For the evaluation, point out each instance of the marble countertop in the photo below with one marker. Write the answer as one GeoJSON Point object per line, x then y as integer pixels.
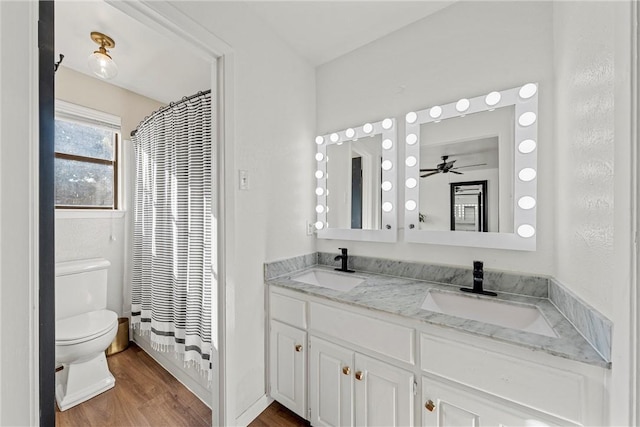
{"type": "Point", "coordinates": [404, 297]}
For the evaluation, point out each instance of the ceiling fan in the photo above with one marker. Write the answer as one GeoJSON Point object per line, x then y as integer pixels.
{"type": "Point", "coordinates": [445, 167]}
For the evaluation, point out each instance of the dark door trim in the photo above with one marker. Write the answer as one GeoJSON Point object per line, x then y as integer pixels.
{"type": "Point", "coordinates": [46, 212]}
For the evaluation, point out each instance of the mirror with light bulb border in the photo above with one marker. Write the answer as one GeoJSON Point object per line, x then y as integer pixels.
{"type": "Point", "coordinates": [493, 138]}
{"type": "Point", "coordinates": [356, 183]}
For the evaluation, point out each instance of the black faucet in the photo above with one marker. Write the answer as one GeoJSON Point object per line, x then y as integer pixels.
{"type": "Point", "coordinates": [478, 275]}
{"type": "Point", "coordinates": [345, 258]}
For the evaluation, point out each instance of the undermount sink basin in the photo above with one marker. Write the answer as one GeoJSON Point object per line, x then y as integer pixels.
{"type": "Point", "coordinates": [327, 279]}
{"type": "Point", "coordinates": [524, 317]}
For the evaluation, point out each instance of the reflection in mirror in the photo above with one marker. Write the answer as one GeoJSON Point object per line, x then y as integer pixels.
{"type": "Point", "coordinates": [489, 138]}
{"type": "Point", "coordinates": [354, 174]}
{"type": "Point", "coordinates": [477, 147]}
{"type": "Point", "coordinates": [356, 183]}
{"type": "Point", "coordinates": [469, 206]}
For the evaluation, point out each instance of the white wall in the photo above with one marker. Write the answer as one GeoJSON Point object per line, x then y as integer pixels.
{"type": "Point", "coordinates": [594, 234]}
{"type": "Point", "coordinates": [104, 237]}
{"type": "Point", "coordinates": [465, 50]}
{"type": "Point", "coordinates": [274, 129]}
{"type": "Point", "coordinates": [18, 181]}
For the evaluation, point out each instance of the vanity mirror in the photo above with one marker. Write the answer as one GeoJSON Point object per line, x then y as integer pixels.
{"type": "Point", "coordinates": [470, 171]}
{"type": "Point", "coordinates": [357, 183]}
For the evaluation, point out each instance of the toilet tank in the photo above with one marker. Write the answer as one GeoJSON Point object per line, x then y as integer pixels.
{"type": "Point", "coordinates": [81, 286]}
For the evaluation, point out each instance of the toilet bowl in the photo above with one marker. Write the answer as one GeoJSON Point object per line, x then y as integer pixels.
{"type": "Point", "coordinates": [84, 330]}
{"type": "Point", "coordinates": [80, 344]}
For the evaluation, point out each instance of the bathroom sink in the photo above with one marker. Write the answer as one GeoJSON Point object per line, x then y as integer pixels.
{"type": "Point", "coordinates": [524, 317]}
{"type": "Point", "coordinates": [326, 279]}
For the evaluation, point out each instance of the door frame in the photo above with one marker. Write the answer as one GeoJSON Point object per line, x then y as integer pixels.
{"type": "Point", "coordinates": [168, 20]}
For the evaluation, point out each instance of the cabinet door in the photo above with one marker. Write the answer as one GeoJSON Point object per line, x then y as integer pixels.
{"type": "Point", "coordinates": [330, 384]}
{"type": "Point", "coordinates": [451, 405]}
{"type": "Point", "coordinates": [288, 367]}
{"type": "Point", "coordinates": [383, 394]}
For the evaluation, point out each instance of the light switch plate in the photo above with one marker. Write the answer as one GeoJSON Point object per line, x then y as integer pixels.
{"type": "Point", "coordinates": [243, 179]}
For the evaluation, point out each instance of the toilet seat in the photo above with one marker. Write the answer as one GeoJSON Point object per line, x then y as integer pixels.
{"type": "Point", "coordinates": [85, 326]}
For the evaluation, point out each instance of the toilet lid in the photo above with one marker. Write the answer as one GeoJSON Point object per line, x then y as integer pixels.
{"type": "Point", "coordinates": [84, 326]}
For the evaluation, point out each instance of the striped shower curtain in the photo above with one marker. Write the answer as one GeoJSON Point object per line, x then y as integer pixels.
{"type": "Point", "coordinates": [172, 244]}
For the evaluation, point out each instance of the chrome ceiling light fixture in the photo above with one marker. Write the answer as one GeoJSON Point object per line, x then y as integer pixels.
{"type": "Point", "coordinates": [100, 62]}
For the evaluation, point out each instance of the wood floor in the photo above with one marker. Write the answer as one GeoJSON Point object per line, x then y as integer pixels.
{"type": "Point", "coordinates": [277, 415]}
{"type": "Point", "coordinates": [147, 395]}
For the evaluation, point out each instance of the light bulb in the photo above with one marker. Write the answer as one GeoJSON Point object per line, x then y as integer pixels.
{"type": "Point", "coordinates": [411, 117]}
{"type": "Point", "coordinates": [412, 138]}
{"type": "Point", "coordinates": [102, 65]}
{"type": "Point", "coordinates": [387, 124]}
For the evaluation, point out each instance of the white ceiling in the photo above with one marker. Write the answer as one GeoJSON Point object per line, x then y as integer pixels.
{"type": "Point", "coordinates": [154, 66]}
{"type": "Point", "coordinates": [148, 63]}
{"type": "Point", "coordinates": [321, 31]}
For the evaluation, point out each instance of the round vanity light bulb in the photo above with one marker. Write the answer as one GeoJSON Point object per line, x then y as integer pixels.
{"type": "Point", "coordinates": [411, 183]}
{"type": "Point", "coordinates": [319, 209]}
{"type": "Point", "coordinates": [462, 105]}
{"type": "Point", "coordinates": [387, 124]}
{"type": "Point", "coordinates": [526, 231]}
{"type": "Point", "coordinates": [527, 146]}
{"type": "Point", "coordinates": [319, 157]}
{"type": "Point", "coordinates": [526, 202]}
{"type": "Point", "coordinates": [528, 90]}
{"type": "Point", "coordinates": [387, 165]}
{"type": "Point", "coordinates": [319, 174]}
{"type": "Point", "coordinates": [411, 161]}
{"type": "Point", "coordinates": [319, 225]}
{"type": "Point", "coordinates": [411, 205]}
{"type": "Point", "coordinates": [387, 144]}
{"type": "Point", "coordinates": [527, 174]}
{"type": "Point", "coordinates": [350, 133]}
{"type": "Point", "coordinates": [387, 206]}
{"type": "Point", "coordinates": [386, 186]}
{"type": "Point", "coordinates": [334, 137]}
{"type": "Point", "coordinates": [412, 138]}
{"type": "Point", "coordinates": [367, 128]}
{"type": "Point", "coordinates": [319, 140]}
{"type": "Point", "coordinates": [492, 99]}
{"type": "Point", "coordinates": [435, 112]}
{"type": "Point", "coordinates": [527, 119]}
{"type": "Point", "coordinates": [319, 191]}
{"type": "Point", "coordinates": [411, 117]}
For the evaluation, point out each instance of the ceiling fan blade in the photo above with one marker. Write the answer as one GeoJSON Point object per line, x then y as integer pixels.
{"type": "Point", "coordinates": [429, 174]}
{"type": "Point", "coordinates": [456, 172]}
{"type": "Point", "coordinates": [469, 166]}
{"type": "Point", "coordinates": [428, 170]}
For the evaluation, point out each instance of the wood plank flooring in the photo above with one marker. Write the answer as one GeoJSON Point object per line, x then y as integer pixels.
{"type": "Point", "coordinates": [145, 395]}
{"type": "Point", "coordinates": [277, 415]}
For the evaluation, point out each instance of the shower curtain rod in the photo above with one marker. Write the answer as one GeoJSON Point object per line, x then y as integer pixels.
{"type": "Point", "coordinates": [171, 105]}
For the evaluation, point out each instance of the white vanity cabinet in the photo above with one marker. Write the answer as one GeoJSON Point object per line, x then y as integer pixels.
{"type": "Point", "coordinates": [288, 353]}
{"type": "Point", "coordinates": [363, 367]}
{"type": "Point", "coordinates": [451, 405]}
{"type": "Point", "coordinates": [288, 366]}
{"type": "Point", "coordinates": [347, 388]}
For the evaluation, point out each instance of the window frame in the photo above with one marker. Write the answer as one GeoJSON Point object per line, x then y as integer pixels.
{"type": "Point", "coordinates": [66, 111]}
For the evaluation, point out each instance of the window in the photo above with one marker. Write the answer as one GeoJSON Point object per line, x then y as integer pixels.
{"type": "Point", "coordinates": [86, 158]}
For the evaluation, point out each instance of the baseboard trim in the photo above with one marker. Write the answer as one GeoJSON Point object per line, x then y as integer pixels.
{"type": "Point", "coordinates": [254, 410]}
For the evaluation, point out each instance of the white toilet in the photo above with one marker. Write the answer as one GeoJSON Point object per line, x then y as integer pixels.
{"type": "Point", "coordinates": [84, 330]}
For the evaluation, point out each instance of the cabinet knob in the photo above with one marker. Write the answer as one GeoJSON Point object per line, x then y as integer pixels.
{"type": "Point", "coordinates": [298, 348]}
{"type": "Point", "coordinates": [359, 375]}
{"type": "Point", "coordinates": [346, 370]}
{"type": "Point", "coordinates": [429, 405]}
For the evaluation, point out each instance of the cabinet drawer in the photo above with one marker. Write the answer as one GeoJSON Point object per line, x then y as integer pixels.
{"type": "Point", "coordinates": [388, 339]}
{"type": "Point", "coordinates": [546, 388]}
{"type": "Point", "coordinates": [288, 310]}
